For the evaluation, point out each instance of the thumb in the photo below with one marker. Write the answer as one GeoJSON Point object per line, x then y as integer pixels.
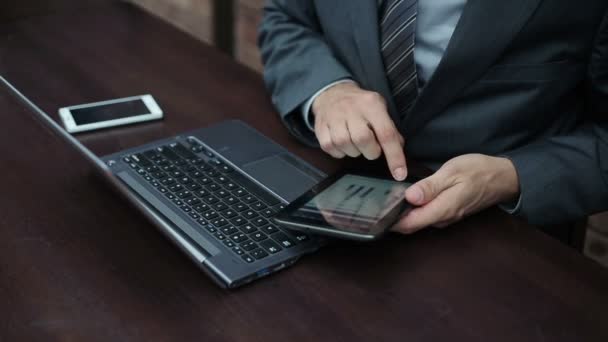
{"type": "Point", "coordinates": [427, 189]}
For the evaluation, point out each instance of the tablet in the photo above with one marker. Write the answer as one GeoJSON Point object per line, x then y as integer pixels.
{"type": "Point", "coordinates": [349, 206]}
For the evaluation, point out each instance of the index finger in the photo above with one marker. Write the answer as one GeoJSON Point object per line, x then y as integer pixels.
{"type": "Point", "coordinates": [391, 142]}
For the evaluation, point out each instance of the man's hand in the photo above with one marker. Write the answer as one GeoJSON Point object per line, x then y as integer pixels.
{"type": "Point", "coordinates": [350, 121]}
{"type": "Point", "coordinates": [461, 187]}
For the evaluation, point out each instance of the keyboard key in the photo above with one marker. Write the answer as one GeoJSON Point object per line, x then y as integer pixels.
{"type": "Point", "coordinates": [170, 196]}
{"type": "Point", "coordinates": [196, 174]}
{"type": "Point", "coordinates": [168, 181]}
{"type": "Point", "coordinates": [152, 155]}
{"type": "Point", "coordinates": [201, 208]}
{"type": "Point", "coordinates": [258, 253]}
{"type": "Point", "coordinates": [259, 222]}
{"type": "Point", "coordinates": [300, 237]}
{"type": "Point", "coordinates": [188, 169]}
{"type": "Point", "coordinates": [229, 230]}
{"type": "Point", "coordinates": [258, 206]}
{"type": "Point", "coordinates": [200, 163]}
{"type": "Point", "coordinates": [210, 215]}
{"type": "Point", "coordinates": [270, 246]}
{"type": "Point", "coordinates": [211, 228]}
{"type": "Point", "coordinates": [211, 199]}
{"type": "Point", "coordinates": [231, 200]}
{"type": "Point", "coordinates": [248, 245]}
{"type": "Point", "coordinates": [283, 240]}
{"type": "Point", "coordinates": [216, 162]}
{"type": "Point", "coordinates": [180, 162]}
{"type": "Point", "coordinates": [240, 207]}
{"type": "Point", "coordinates": [202, 222]}
{"type": "Point", "coordinates": [186, 208]}
{"type": "Point", "coordinates": [193, 201]}
{"type": "Point", "coordinates": [193, 187]}
{"type": "Point", "coordinates": [248, 259]}
{"type": "Point", "coordinates": [248, 229]}
{"type": "Point", "coordinates": [230, 186]}
{"type": "Point", "coordinates": [249, 199]}
{"type": "Point", "coordinates": [222, 180]}
{"type": "Point", "coordinates": [238, 250]}
{"type": "Point", "coordinates": [222, 193]}
{"type": "Point", "coordinates": [176, 174]}
{"type": "Point", "coordinates": [229, 243]}
{"type": "Point", "coordinates": [204, 180]}
{"type": "Point", "coordinates": [250, 214]}
{"type": "Point", "coordinates": [158, 175]}
{"type": "Point", "coordinates": [212, 173]}
{"type": "Point", "coordinates": [197, 149]}
{"type": "Point", "coordinates": [178, 202]}
{"type": "Point", "coordinates": [270, 229]}
{"type": "Point", "coordinates": [220, 236]}
{"type": "Point", "coordinates": [239, 193]}
{"type": "Point", "coordinates": [185, 180]}
{"type": "Point", "coordinates": [238, 221]}
{"type": "Point", "coordinates": [239, 238]}
{"type": "Point", "coordinates": [201, 193]}
{"type": "Point", "coordinates": [258, 236]}
{"type": "Point", "coordinates": [161, 189]}
{"type": "Point", "coordinates": [184, 194]}
{"type": "Point", "coordinates": [141, 160]}
{"type": "Point", "coordinates": [268, 213]}
{"type": "Point", "coordinates": [219, 222]}
{"type": "Point", "coordinates": [219, 206]}
{"type": "Point", "coordinates": [226, 169]}
{"type": "Point", "coordinates": [194, 215]}
{"type": "Point", "coordinates": [181, 150]}
{"type": "Point", "coordinates": [162, 162]}
{"type": "Point", "coordinates": [229, 213]}
{"type": "Point", "coordinates": [169, 168]}
{"type": "Point", "coordinates": [176, 188]}
{"type": "Point", "coordinates": [213, 187]}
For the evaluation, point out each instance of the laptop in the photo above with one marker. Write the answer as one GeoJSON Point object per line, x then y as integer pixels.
{"type": "Point", "coordinates": [213, 192]}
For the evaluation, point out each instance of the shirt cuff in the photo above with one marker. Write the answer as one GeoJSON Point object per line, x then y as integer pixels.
{"type": "Point", "coordinates": [510, 208]}
{"type": "Point", "coordinates": [306, 107]}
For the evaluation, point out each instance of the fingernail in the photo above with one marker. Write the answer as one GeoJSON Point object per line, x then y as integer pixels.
{"type": "Point", "coordinates": [399, 174]}
{"type": "Point", "coordinates": [417, 195]}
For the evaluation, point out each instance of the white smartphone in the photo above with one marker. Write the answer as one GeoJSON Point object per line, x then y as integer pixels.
{"type": "Point", "coordinates": [111, 113]}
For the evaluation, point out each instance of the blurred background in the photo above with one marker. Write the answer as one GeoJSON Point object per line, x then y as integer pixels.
{"type": "Point", "coordinates": [231, 26]}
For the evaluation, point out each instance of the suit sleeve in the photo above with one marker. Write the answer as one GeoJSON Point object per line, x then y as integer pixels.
{"type": "Point", "coordinates": [297, 60]}
{"type": "Point", "coordinates": [565, 178]}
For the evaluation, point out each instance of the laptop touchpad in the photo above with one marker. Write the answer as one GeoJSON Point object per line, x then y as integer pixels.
{"type": "Point", "coordinates": [281, 176]}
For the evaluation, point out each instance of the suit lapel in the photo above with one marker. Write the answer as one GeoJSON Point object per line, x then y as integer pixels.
{"type": "Point", "coordinates": [484, 31]}
{"type": "Point", "coordinates": [365, 25]}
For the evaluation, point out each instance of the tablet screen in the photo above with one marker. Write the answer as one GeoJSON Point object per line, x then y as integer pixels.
{"type": "Point", "coordinates": [354, 202]}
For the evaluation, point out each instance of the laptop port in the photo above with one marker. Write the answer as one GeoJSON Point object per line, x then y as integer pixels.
{"type": "Point", "coordinates": [263, 272]}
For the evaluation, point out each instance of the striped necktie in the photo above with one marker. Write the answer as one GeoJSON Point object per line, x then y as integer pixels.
{"type": "Point", "coordinates": [397, 37]}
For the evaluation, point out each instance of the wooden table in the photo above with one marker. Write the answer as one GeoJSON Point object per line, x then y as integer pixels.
{"type": "Point", "coordinates": [77, 263]}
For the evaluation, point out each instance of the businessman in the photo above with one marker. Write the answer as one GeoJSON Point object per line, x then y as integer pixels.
{"type": "Point", "coordinates": [506, 100]}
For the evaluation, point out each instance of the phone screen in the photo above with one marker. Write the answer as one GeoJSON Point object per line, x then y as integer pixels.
{"type": "Point", "coordinates": [354, 203]}
{"type": "Point", "coordinates": [107, 112]}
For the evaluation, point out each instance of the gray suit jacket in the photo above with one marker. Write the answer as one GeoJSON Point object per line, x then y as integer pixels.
{"type": "Point", "coordinates": [526, 79]}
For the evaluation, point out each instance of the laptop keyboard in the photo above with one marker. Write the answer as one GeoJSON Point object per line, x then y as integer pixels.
{"type": "Point", "coordinates": [235, 210]}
